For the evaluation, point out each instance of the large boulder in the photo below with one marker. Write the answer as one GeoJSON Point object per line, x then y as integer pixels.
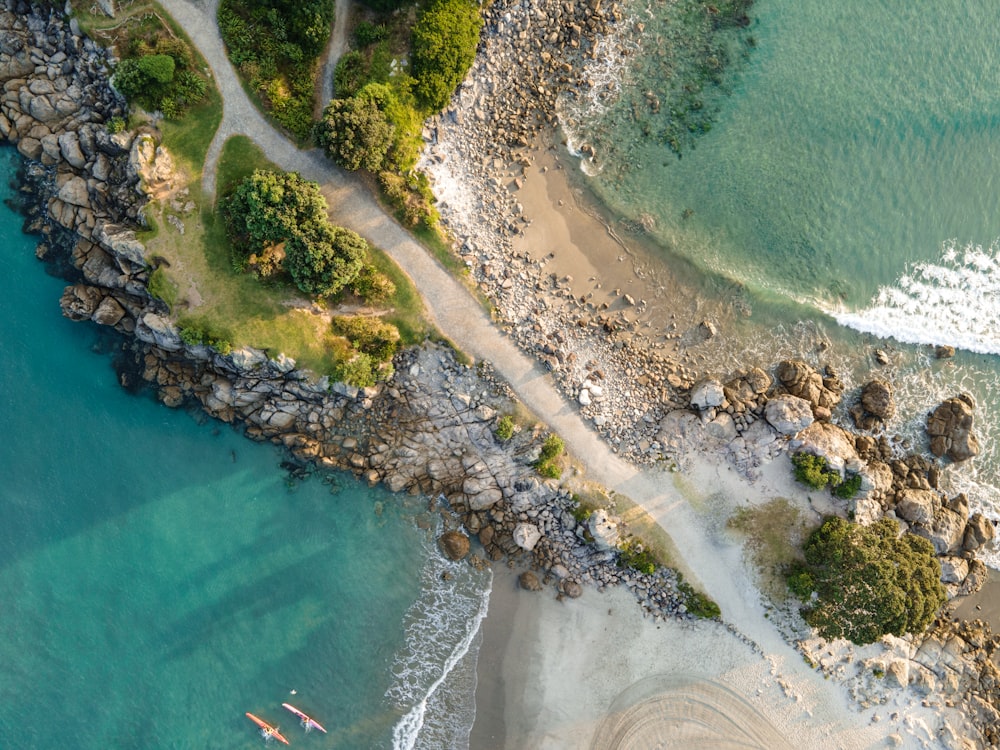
{"type": "Point", "coordinates": [801, 379]}
{"type": "Point", "coordinates": [978, 531]}
{"type": "Point", "coordinates": [950, 429]}
{"type": "Point", "coordinates": [526, 536]}
{"type": "Point", "coordinates": [604, 529]}
{"type": "Point", "coordinates": [454, 544]}
{"type": "Point", "coordinates": [876, 405]}
{"type": "Point", "coordinates": [945, 533]}
{"type": "Point", "coordinates": [918, 506]}
{"type": "Point", "coordinates": [707, 394]}
{"type": "Point", "coordinates": [833, 443]}
{"type": "Point", "coordinates": [788, 414]}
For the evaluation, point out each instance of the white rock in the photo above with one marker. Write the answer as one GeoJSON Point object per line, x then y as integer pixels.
{"type": "Point", "coordinates": [526, 536]}
{"type": "Point", "coordinates": [604, 529]}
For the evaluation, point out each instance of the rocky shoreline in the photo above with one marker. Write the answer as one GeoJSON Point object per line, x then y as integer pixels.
{"type": "Point", "coordinates": [431, 430]}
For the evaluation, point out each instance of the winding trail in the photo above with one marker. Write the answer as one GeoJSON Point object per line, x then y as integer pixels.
{"type": "Point", "coordinates": [716, 564]}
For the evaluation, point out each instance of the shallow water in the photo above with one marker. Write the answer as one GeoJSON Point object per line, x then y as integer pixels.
{"type": "Point", "coordinates": [160, 577]}
{"type": "Point", "coordinates": [848, 183]}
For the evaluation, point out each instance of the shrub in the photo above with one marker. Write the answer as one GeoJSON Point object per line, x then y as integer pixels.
{"type": "Point", "coordinates": [445, 38]}
{"type": "Point", "coordinates": [115, 124]}
{"type": "Point", "coordinates": [369, 335]}
{"type": "Point", "coordinates": [869, 581]}
{"type": "Point", "coordinates": [811, 471]}
{"type": "Point", "coordinates": [697, 603]}
{"type": "Point", "coordinates": [362, 371]}
{"type": "Point", "coordinates": [157, 68]}
{"type": "Point", "coordinates": [195, 332]}
{"type": "Point", "coordinates": [547, 463]}
{"type": "Point", "coordinates": [372, 285]}
{"type": "Point", "coordinates": [350, 74]}
{"type": "Point", "coordinates": [368, 33]}
{"type": "Point", "coordinates": [848, 488]}
{"type": "Point", "coordinates": [633, 555]}
{"type": "Point", "coordinates": [505, 428]}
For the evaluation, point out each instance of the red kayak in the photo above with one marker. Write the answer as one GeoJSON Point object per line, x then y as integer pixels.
{"type": "Point", "coordinates": [307, 722]}
{"type": "Point", "coordinates": [266, 729]}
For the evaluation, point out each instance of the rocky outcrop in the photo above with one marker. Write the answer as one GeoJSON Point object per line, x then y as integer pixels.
{"type": "Point", "coordinates": [454, 544]}
{"type": "Point", "coordinates": [788, 414]}
{"type": "Point", "coordinates": [875, 407]}
{"type": "Point", "coordinates": [950, 429]}
{"type": "Point", "coordinates": [800, 379]}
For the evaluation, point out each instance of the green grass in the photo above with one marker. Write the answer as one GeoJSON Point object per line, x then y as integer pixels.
{"type": "Point", "coordinates": [774, 533]}
{"type": "Point", "coordinates": [189, 137]}
{"type": "Point", "coordinates": [239, 158]}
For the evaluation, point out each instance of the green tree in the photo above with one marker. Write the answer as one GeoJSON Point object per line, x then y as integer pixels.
{"type": "Point", "coordinates": [354, 132]}
{"type": "Point", "coordinates": [869, 581]}
{"type": "Point", "coordinates": [271, 209]}
{"type": "Point", "coordinates": [445, 38]}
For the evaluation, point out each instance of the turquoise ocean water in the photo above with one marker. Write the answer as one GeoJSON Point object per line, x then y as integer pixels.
{"type": "Point", "coordinates": [159, 578]}
{"type": "Point", "coordinates": [849, 184]}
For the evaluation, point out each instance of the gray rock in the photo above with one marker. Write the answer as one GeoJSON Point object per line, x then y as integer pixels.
{"type": "Point", "coordinates": [953, 569]}
{"type": "Point", "coordinates": [526, 536]}
{"type": "Point", "coordinates": [75, 192]}
{"type": "Point", "coordinates": [788, 414]}
{"type": "Point", "coordinates": [69, 147]}
{"type": "Point", "coordinates": [707, 394]}
{"type": "Point", "coordinates": [945, 533]}
{"type": "Point", "coordinates": [877, 399]}
{"type": "Point", "coordinates": [604, 529]}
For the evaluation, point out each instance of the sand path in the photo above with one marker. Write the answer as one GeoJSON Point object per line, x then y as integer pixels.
{"type": "Point", "coordinates": [717, 565]}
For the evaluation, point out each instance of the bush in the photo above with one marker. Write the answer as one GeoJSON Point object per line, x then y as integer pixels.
{"type": "Point", "coordinates": [869, 581]}
{"type": "Point", "coordinates": [848, 488]}
{"type": "Point", "coordinates": [350, 74]}
{"type": "Point", "coordinates": [445, 38]}
{"type": "Point", "coordinates": [505, 428]}
{"type": "Point", "coordinates": [633, 555]}
{"type": "Point", "coordinates": [697, 603]}
{"type": "Point", "coordinates": [372, 285]}
{"type": "Point", "coordinates": [811, 471]}
{"type": "Point", "coordinates": [547, 463]}
{"type": "Point", "coordinates": [367, 33]}
{"type": "Point", "coordinates": [362, 371]}
{"type": "Point", "coordinates": [375, 338]}
{"type": "Point", "coordinates": [195, 332]}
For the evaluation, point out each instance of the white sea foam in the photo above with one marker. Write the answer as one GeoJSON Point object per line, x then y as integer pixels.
{"type": "Point", "coordinates": [955, 301]}
{"type": "Point", "coordinates": [581, 111]}
{"type": "Point", "coordinates": [442, 636]}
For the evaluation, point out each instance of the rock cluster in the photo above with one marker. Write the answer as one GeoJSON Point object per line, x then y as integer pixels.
{"type": "Point", "coordinates": [950, 429]}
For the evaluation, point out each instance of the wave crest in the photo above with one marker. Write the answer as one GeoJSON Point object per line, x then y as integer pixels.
{"type": "Point", "coordinates": [955, 301]}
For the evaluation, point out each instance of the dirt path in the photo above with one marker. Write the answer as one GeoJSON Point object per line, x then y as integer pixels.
{"type": "Point", "coordinates": [336, 47]}
{"type": "Point", "coordinates": [715, 563]}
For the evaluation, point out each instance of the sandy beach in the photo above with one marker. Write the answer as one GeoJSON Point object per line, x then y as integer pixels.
{"type": "Point", "coordinates": [595, 672]}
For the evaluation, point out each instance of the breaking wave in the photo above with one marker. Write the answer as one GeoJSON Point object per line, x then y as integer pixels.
{"type": "Point", "coordinates": [955, 301]}
{"type": "Point", "coordinates": [434, 673]}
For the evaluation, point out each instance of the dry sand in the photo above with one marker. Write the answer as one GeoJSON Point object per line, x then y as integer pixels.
{"type": "Point", "coordinates": [595, 672]}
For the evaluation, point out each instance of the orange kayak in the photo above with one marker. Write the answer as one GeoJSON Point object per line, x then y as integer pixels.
{"type": "Point", "coordinates": [266, 729]}
{"type": "Point", "coordinates": [307, 721]}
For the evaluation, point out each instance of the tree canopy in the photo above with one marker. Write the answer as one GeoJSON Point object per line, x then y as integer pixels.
{"type": "Point", "coordinates": [445, 38]}
{"type": "Point", "coordinates": [355, 132]}
{"type": "Point", "coordinates": [271, 209]}
{"type": "Point", "coordinates": [869, 581]}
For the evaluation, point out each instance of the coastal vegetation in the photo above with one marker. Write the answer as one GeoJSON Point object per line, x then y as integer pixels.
{"type": "Point", "coordinates": [158, 69]}
{"type": "Point", "coordinates": [505, 428]}
{"type": "Point", "coordinates": [813, 471]}
{"type": "Point", "coordinates": [548, 463]}
{"type": "Point", "coordinates": [863, 582]}
{"type": "Point", "coordinates": [275, 45]}
{"type": "Point", "coordinates": [773, 532]}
